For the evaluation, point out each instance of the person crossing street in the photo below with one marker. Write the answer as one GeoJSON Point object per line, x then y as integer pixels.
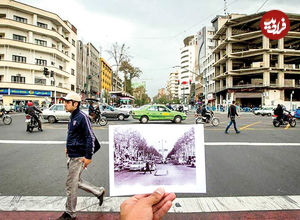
{"type": "Point", "coordinates": [232, 113]}
{"type": "Point", "coordinates": [81, 145]}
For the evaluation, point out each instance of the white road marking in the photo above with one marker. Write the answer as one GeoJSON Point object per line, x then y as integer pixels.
{"type": "Point", "coordinates": [180, 205]}
{"type": "Point", "coordinates": [107, 142]}
{"type": "Point", "coordinates": [38, 142]}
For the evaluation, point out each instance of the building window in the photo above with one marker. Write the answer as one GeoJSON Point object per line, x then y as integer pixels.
{"type": "Point", "coordinates": [72, 87]}
{"type": "Point", "coordinates": [41, 62]}
{"type": "Point", "coordinates": [17, 79]}
{"type": "Point", "coordinates": [42, 25]}
{"type": "Point", "coordinates": [52, 83]}
{"type": "Point", "coordinates": [73, 56]}
{"type": "Point", "coordinates": [41, 42]}
{"type": "Point", "coordinates": [19, 38]}
{"type": "Point", "coordinates": [39, 81]}
{"type": "Point", "coordinates": [73, 72]}
{"type": "Point", "coordinates": [60, 67]}
{"type": "Point", "coordinates": [73, 42]}
{"type": "Point", "coordinates": [18, 59]}
{"type": "Point", "coordinates": [52, 63]}
{"type": "Point", "coordinates": [20, 19]}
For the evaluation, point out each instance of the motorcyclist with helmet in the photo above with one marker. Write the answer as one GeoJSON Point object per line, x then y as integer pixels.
{"type": "Point", "coordinates": [31, 110]}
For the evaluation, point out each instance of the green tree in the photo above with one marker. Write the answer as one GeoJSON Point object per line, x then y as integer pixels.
{"type": "Point", "coordinates": [130, 72]}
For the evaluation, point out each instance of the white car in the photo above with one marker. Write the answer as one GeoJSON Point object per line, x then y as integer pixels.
{"type": "Point", "coordinates": [137, 166]}
{"type": "Point", "coordinates": [127, 108]}
{"type": "Point", "coordinates": [265, 111]}
{"type": "Point", "coordinates": [57, 112]}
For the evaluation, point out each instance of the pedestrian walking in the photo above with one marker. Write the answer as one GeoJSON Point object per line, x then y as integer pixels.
{"type": "Point", "coordinates": [81, 145]}
{"type": "Point", "coordinates": [232, 113]}
{"type": "Point", "coordinates": [147, 168]}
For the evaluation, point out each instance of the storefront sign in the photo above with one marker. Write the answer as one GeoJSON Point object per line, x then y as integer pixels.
{"type": "Point", "coordinates": [29, 92]}
{"type": "Point", "coordinates": [3, 91]}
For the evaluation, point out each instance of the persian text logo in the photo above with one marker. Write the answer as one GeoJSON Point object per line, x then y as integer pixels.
{"type": "Point", "coordinates": [275, 24]}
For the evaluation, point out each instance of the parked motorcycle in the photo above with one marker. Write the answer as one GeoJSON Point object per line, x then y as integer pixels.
{"type": "Point", "coordinates": [212, 119]}
{"type": "Point", "coordinates": [31, 123]}
{"type": "Point", "coordinates": [5, 117]}
{"type": "Point", "coordinates": [287, 119]}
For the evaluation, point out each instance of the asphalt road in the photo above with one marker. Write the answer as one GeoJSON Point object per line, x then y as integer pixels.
{"type": "Point", "coordinates": [231, 170]}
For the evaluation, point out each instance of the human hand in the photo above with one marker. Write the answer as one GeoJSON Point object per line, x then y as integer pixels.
{"type": "Point", "coordinates": [66, 152]}
{"type": "Point", "coordinates": [85, 162]}
{"type": "Point", "coordinates": [147, 206]}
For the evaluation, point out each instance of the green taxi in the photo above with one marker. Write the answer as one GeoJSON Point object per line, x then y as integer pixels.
{"type": "Point", "coordinates": [157, 113]}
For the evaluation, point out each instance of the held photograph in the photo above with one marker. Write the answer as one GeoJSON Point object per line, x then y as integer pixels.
{"type": "Point", "coordinates": [145, 157]}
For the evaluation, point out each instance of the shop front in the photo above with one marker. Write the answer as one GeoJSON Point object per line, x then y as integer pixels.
{"type": "Point", "coordinates": [16, 97]}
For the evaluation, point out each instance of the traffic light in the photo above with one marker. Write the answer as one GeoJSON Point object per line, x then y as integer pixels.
{"type": "Point", "coordinates": [178, 82]}
{"type": "Point", "coordinates": [46, 71]}
{"type": "Point", "coordinates": [190, 81]}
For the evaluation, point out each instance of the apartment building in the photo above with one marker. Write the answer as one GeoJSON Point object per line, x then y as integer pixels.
{"type": "Point", "coordinates": [252, 69]}
{"type": "Point", "coordinates": [93, 71]}
{"type": "Point", "coordinates": [206, 59]}
{"type": "Point", "coordinates": [117, 83]}
{"type": "Point", "coordinates": [188, 58]}
{"type": "Point", "coordinates": [82, 68]}
{"type": "Point", "coordinates": [173, 84]}
{"type": "Point", "coordinates": [105, 76]}
{"type": "Point", "coordinates": [37, 54]}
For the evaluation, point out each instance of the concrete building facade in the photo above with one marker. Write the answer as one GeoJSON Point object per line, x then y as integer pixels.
{"type": "Point", "coordinates": [93, 71]}
{"type": "Point", "coordinates": [37, 54]}
{"type": "Point", "coordinates": [173, 84]}
{"type": "Point", "coordinates": [252, 69]}
{"type": "Point", "coordinates": [206, 59]}
{"type": "Point", "coordinates": [188, 67]}
{"type": "Point", "coordinates": [82, 68]}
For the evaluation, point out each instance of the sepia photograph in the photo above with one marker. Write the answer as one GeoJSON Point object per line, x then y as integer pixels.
{"type": "Point", "coordinates": [144, 157]}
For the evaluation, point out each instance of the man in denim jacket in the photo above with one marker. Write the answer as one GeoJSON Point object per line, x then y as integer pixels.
{"type": "Point", "coordinates": [80, 149]}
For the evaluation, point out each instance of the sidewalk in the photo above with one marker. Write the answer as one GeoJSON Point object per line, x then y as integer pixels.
{"type": "Point", "coordinates": [257, 207]}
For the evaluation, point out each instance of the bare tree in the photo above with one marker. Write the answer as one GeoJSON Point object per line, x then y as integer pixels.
{"type": "Point", "coordinates": [119, 53]}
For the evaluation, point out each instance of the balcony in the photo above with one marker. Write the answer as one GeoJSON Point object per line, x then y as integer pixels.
{"type": "Point", "coordinates": [16, 65]}
{"type": "Point", "coordinates": [4, 22]}
{"type": "Point", "coordinates": [30, 46]}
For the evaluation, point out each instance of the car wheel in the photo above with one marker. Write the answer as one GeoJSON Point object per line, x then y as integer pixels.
{"type": "Point", "coordinates": [121, 117]}
{"type": "Point", "coordinates": [269, 114]}
{"type": "Point", "coordinates": [51, 119]}
{"type": "Point", "coordinates": [177, 119]}
{"type": "Point", "coordinates": [144, 119]}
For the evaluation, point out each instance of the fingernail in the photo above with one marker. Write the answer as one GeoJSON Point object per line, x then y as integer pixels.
{"type": "Point", "coordinates": [160, 191]}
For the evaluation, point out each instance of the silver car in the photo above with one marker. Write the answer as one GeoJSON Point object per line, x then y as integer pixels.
{"type": "Point", "coordinates": [57, 112]}
{"type": "Point", "coordinates": [110, 112]}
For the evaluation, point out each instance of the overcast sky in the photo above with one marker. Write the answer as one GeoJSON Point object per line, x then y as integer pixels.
{"type": "Point", "coordinates": [153, 29]}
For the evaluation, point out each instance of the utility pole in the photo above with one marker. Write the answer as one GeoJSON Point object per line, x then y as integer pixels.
{"type": "Point", "coordinates": [291, 100]}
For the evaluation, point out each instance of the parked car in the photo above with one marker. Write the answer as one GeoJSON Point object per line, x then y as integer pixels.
{"type": "Point", "coordinates": [265, 111]}
{"type": "Point", "coordinates": [158, 113]}
{"type": "Point", "coordinates": [57, 112]}
{"type": "Point", "coordinates": [137, 166]}
{"type": "Point", "coordinates": [297, 113]}
{"type": "Point", "coordinates": [127, 108]}
{"type": "Point", "coordinates": [111, 112]}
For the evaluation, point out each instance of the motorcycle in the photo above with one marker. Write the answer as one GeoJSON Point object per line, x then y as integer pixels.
{"type": "Point", "coordinates": [5, 117]}
{"type": "Point", "coordinates": [287, 119]}
{"type": "Point", "coordinates": [99, 119]}
{"type": "Point", "coordinates": [212, 119]}
{"type": "Point", "coordinates": [31, 123]}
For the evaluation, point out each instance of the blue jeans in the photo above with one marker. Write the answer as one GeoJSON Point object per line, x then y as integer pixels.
{"type": "Point", "coordinates": [230, 123]}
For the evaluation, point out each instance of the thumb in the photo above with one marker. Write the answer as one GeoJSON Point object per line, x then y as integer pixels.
{"type": "Point", "coordinates": [155, 197]}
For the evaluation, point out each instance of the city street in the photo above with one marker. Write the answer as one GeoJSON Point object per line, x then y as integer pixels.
{"type": "Point", "coordinates": [178, 174]}
{"type": "Point", "coordinates": [261, 160]}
